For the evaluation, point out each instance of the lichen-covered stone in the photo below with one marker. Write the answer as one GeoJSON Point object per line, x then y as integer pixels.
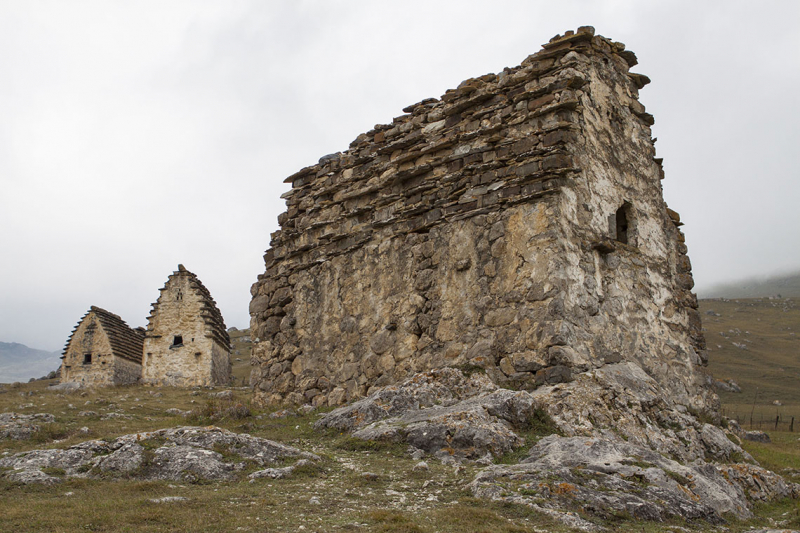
{"type": "Point", "coordinates": [184, 453]}
{"type": "Point", "coordinates": [444, 411]}
{"type": "Point", "coordinates": [608, 477]}
{"type": "Point", "coordinates": [17, 426]}
{"type": "Point", "coordinates": [618, 444]}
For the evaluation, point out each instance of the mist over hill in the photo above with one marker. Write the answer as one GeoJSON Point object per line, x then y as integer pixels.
{"type": "Point", "coordinates": [20, 363]}
{"type": "Point", "coordinates": [785, 285]}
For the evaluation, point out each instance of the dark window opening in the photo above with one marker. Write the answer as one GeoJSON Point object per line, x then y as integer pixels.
{"type": "Point", "coordinates": [179, 296]}
{"type": "Point", "coordinates": [622, 222]}
{"type": "Point", "coordinates": [177, 341]}
{"type": "Point", "coordinates": [87, 359]}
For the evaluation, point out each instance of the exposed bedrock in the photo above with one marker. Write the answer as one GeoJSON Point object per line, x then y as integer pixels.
{"type": "Point", "coordinates": [182, 454]}
{"type": "Point", "coordinates": [618, 443]}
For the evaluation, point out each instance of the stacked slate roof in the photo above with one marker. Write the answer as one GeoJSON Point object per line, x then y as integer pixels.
{"type": "Point", "coordinates": [126, 342]}
{"type": "Point", "coordinates": [212, 317]}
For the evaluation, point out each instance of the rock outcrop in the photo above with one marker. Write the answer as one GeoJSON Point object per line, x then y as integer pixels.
{"type": "Point", "coordinates": [441, 412]}
{"type": "Point", "coordinates": [20, 427]}
{"type": "Point", "coordinates": [611, 443]}
{"type": "Point", "coordinates": [609, 477]}
{"type": "Point", "coordinates": [185, 453]}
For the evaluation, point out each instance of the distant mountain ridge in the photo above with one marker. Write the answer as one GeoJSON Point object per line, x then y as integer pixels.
{"type": "Point", "coordinates": [21, 363]}
{"type": "Point", "coordinates": [785, 285]}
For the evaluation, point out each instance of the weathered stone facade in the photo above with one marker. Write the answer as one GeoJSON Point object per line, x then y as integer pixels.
{"type": "Point", "coordinates": [516, 224]}
{"type": "Point", "coordinates": [102, 350]}
{"type": "Point", "coordinates": [186, 342]}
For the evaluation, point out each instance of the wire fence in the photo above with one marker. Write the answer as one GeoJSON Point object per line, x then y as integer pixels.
{"type": "Point", "coordinates": [780, 422]}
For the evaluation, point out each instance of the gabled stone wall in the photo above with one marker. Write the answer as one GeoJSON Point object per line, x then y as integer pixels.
{"type": "Point", "coordinates": [186, 342]}
{"type": "Point", "coordinates": [484, 229]}
{"type": "Point", "coordinates": [102, 350]}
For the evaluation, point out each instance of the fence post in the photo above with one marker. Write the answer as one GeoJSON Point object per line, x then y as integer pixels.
{"type": "Point", "coordinates": [791, 426]}
{"type": "Point", "coordinates": [777, 417]}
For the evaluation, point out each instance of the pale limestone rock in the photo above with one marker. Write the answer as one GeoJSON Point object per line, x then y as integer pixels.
{"type": "Point", "coordinates": [607, 476]}
{"type": "Point", "coordinates": [182, 454]}
{"type": "Point", "coordinates": [17, 426]}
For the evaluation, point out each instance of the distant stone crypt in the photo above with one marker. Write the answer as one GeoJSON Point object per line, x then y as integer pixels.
{"type": "Point", "coordinates": [186, 342]}
{"type": "Point", "coordinates": [103, 350]}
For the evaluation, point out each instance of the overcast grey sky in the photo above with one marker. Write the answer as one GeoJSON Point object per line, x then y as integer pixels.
{"type": "Point", "coordinates": [136, 135]}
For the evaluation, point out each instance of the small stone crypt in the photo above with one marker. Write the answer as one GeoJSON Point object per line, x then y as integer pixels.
{"type": "Point", "coordinates": [103, 350]}
{"type": "Point", "coordinates": [186, 342]}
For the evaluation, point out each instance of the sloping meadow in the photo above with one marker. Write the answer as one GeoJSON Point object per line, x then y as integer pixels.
{"type": "Point", "coordinates": [445, 451]}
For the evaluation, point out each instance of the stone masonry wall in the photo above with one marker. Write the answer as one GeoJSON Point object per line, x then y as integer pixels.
{"type": "Point", "coordinates": [114, 351]}
{"type": "Point", "coordinates": [126, 371]}
{"type": "Point", "coordinates": [480, 230]}
{"type": "Point", "coordinates": [221, 366]}
{"type": "Point", "coordinates": [89, 338]}
{"type": "Point", "coordinates": [105, 368]}
{"type": "Point", "coordinates": [200, 358]}
{"type": "Point", "coordinates": [624, 300]}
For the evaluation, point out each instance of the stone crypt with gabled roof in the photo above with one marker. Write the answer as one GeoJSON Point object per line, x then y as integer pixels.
{"type": "Point", "coordinates": [103, 350]}
{"type": "Point", "coordinates": [186, 342]}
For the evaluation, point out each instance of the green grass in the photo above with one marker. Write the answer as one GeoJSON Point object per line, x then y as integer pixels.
{"type": "Point", "coordinates": [399, 499]}
{"type": "Point", "coordinates": [768, 370]}
{"type": "Point", "coordinates": [240, 356]}
{"type": "Point", "coordinates": [780, 454]}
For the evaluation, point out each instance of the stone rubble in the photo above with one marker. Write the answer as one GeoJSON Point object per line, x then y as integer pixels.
{"type": "Point", "coordinates": [278, 473]}
{"type": "Point", "coordinates": [174, 411]}
{"type": "Point", "coordinates": [727, 385]}
{"type": "Point", "coordinates": [168, 499]}
{"type": "Point", "coordinates": [756, 436]}
{"type": "Point", "coordinates": [17, 426]}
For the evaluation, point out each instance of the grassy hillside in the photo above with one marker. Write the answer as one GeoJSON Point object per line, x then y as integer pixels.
{"type": "Point", "coordinates": [337, 495]}
{"type": "Point", "coordinates": [787, 285]}
{"type": "Point", "coordinates": [357, 486]}
{"type": "Point", "coordinates": [240, 355]}
{"type": "Point", "coordinates": [20, 363]}
{"type": "Point", "coordinates": [755, 342]}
